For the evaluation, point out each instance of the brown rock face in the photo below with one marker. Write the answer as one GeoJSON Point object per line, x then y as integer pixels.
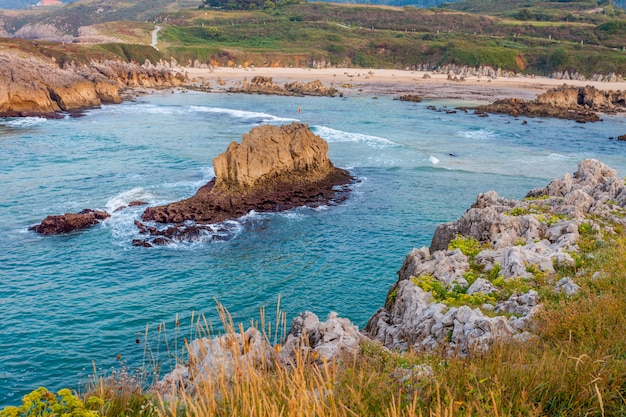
{"type": "Point", "coordinates": [33, 87]}
{"type": "Point", "coordinates": [565, 102]}
{"type": "Point", "coordinates": [266, 85]}
{"type": "Point", "coordinates": [273, 169]}
{"type": "Point", "coordinates": [68, 222]}
{"type": "Point", "coordinates": [269, 155]}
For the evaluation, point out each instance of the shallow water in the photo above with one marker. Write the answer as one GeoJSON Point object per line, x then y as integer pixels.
{"type": "Point", "coordinates": [88, 296]}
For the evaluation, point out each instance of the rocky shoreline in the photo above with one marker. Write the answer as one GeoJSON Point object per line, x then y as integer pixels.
{"type": "Point", "coordinates": [581, 104]}
{"type": "Point", "coordinates": [475, 286]}
{"type": "Point", "coordinates": [34, 87]}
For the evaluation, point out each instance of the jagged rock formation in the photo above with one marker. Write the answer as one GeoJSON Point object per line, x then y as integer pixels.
{"type": "Point", "coordinates": [273, 169]}
{"type": "Point", "coordinates": [515, 241]}
{"type": "Point", "coordinates": [33, 87]}
{"type": "Point", "coordinates": [266, 85]}
{"type": "Point", "coordinates": [69, 222]}
{"type": "Point", "coordinates": [214, 359]}
{"type": "Point", "coordinates": [566, 102]}
{"type": "Point", "coordinates": [536, 234]}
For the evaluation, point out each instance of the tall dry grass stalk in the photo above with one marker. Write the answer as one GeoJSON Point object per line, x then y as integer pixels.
{"type": "Point", "coordinates": [575, 365]}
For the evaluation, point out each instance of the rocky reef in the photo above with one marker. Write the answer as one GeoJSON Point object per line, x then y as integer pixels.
{"type": "Point", "coordinates": [266, 85]}
{"type": "Point", "coordinates": [581, 104]}
{"type": "Point", "coordinates": [69, 222]}
{"type": "Point", "coordinates": [34, 87]}
{"type": "Point", "coordinates": [272, 169]}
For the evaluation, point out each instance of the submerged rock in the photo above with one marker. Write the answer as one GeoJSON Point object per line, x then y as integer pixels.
{"type": "Point", "coordinates": [69, 222]}
{"type": "Point", "coordinates": [273, 169]}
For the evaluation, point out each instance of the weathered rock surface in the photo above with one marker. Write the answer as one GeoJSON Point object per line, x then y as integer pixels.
{"type": "Point", "coordinates": [266, 85]}
{"type": "Point", "coordinates": [320, 341]}
{"type": "Point", "coordinates": [33, 87]}
{"type": "Point", "coordinates": [212, 359]}
{"type": "Point", "coordinates": [566, 102]}
{"type": "Point", "coordinates": [519, 240]}
{"type": "Point", "coordinates": [69, 222]}
{"type": "Point", "coordinates": [272, 169]}
{"type": "Point", "coordinates": [410, 98]}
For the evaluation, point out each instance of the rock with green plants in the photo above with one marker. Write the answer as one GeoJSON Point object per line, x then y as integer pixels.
{"type": "Point", "coordinates": [484, 276]}
{"type": "Point", "coordinates": [43, 403]}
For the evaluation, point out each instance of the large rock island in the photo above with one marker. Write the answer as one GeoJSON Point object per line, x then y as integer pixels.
{"type": "Point", "coordinates": [274, 168]}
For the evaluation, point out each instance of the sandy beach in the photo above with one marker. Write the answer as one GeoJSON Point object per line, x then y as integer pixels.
{"type": "Point", "coordinates": [355, 81]}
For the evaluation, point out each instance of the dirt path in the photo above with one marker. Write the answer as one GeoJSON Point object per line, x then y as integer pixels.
{"type": "Point", "coordinates": [154, 37]}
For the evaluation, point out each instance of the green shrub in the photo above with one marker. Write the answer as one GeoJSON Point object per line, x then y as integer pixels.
{"type": "Point", "coordinates": [468, 245]}
{"type": "Point", "coordinates": [43, 403]}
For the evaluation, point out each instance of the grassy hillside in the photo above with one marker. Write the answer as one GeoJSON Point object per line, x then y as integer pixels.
{"type": "Point", "coordinates": [530, 37]}
{"type": "Point", "coordinates": [371, 36]}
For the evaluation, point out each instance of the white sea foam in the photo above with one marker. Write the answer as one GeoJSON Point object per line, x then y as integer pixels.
{"type": "Point", "coordinates": [241, 114]}
{"type": "Point", "coordinates": [333, 135]}
{"type": "Point", "coordinates": [433, 160]}
{"type": "Point", "coordinates": [125, 197]}
{"type": "Point", "coordinates": [558, 157]}
{"type": "Point", "coordinates": [477, 134]}
{"type": "Point", "coordinates": [24, 122]}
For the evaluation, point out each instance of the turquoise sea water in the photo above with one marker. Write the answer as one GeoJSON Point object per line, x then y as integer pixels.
{"type": "Point", "coordinates": [66, 301]}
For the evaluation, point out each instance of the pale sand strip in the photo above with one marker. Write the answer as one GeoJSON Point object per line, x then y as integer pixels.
{"type": "Point", "coordinates": [353, 81]}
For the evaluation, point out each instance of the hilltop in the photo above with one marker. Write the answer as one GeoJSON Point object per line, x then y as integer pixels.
{"type": "Point", "coordinates": [548, 38]}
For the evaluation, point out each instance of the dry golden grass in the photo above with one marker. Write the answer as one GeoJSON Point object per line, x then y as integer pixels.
{"type": "Point", "coordinates": [575, 365]}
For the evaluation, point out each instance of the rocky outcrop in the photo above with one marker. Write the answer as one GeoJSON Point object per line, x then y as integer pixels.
{"type": "Point", "coordinates": [272, 169]}
{"type": "Point", "coordinates": [321, 342]}
{"type": "Point", "coordinates": [266, 85]}
{"type": "Point", "coordinates": [410, 98]}
{"type": "Point", "coordinates": [33, 87]}
{"type": "Point", "coordinates": [69, 222]}
{"type": "Point", "coordinates": [497, 245]}
{"type": "Point", "coordinates": [30, 87]}
{"type": "Point", "coordinates": [566, 102]}
{"type": "Point", "coordinates": [216, 359]}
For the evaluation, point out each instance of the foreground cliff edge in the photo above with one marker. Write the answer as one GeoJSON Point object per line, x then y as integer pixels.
{"type": "Point", "coordinates": [479, 283]}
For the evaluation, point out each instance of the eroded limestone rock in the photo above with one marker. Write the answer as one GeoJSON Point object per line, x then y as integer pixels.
{"type": "Point", "coordinates": [520, 240]}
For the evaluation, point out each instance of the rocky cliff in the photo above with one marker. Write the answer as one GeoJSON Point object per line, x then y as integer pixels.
{"type": "Point", "coordinates": [272, 169]}
{"type": "Point", "coordinates": [33, 87]}
{"type": "Point", "coordinates": [479, 283]}
{"type": "Point", "coordinates": [479, 280]}
{"type": "Point", "coordinates": [566, 102]}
